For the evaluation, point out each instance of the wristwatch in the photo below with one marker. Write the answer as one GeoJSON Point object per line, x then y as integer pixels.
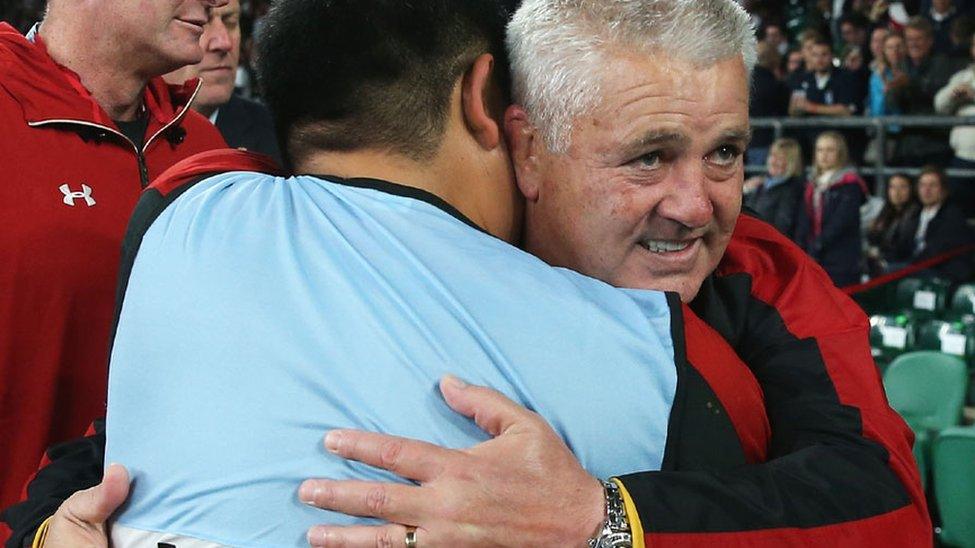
{"type": "Point", "coordinates": [616, 527]}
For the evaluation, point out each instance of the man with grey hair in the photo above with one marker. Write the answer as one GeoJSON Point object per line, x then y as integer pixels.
{"type": "Point", "coordinates": [626, 146]}
{"type": "Point", "coordinates": [640, 185]}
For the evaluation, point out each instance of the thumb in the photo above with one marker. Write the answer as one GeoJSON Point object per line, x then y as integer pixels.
{"type": "Point", "coordinates": [95, 505]}
{"type": "Point", "coordinates": [493, 412]}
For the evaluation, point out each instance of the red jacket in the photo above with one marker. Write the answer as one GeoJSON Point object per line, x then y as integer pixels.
{"type": "Point", "coordinates": [70, 180]}
{"type": "Point", "coordinates": [839, 469]}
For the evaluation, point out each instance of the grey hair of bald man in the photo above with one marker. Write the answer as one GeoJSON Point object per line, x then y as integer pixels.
{"type": "Point", "coordinates": [559, 49]}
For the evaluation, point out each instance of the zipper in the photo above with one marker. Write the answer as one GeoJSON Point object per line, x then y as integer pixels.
{"type": "Point", "coordinates": [140, 157]}
{"type": "Point", "coordinates": [139, 153]}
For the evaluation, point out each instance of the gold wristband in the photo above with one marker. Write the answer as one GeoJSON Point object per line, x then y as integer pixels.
{"type": "Point", "coordinates": [41, 535]}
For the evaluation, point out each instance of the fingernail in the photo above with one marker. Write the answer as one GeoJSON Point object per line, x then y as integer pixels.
{"type": "Point", "coordinates": [333, 441]}
{"type": "Point", "coordinates": [318, 536]}
{"type": "Point", "coordinates": [455, 382]}
{"type": "Point", "coordinates": [308, 493]}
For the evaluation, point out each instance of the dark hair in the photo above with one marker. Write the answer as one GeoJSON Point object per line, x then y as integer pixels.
{"type": "Point", "coordinates": [889, 214]}
{"type": "Point", "coordinates": [856, 19]}
{"type": "Point", "coordinates": [937, 171]}
{"type": "Point", "coordinates": [824, 42]}
{"type": "Point", "coordinates": [352, 74]}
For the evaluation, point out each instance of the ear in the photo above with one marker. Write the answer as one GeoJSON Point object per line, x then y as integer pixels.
{"type": "Point", "coordinates": [523, 142]}
{"type": "Point", "coordinates": [476, 97]}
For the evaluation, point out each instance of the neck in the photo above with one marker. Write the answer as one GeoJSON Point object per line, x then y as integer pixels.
{"type": "Point", "coordinates": [436, 176]}
{"type": "Point", "coordinates": [205, 110]}
{"type": "Point", "coordinates": [99, 63]}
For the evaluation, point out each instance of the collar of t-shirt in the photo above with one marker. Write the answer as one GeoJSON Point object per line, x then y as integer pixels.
{"type": "Point", "coordinates": [213, 117]}
{"type": "Point", "coordinates": [822, 81]}
{"type": "Point", "coordinates": [924, 220]}
{"type": "Point", "coordinates": [135, 130]}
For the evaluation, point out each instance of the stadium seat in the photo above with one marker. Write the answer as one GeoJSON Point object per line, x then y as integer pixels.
{"type": "Point", "coordinates": [926, 298]}
{"type": "Point", "coordinates": [890, 336]}
{"type": "Point", "coordinates": [956, 338]}
{"type": "Point", "coordinates": [928, 389]}
{"type": "Point", "coordinates": [953, 461]}
{"type": "Point", "coordinates": [963, 302]}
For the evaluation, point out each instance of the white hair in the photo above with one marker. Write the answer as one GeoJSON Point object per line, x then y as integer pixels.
{"type": "Point", "coordinates": [559, 47]}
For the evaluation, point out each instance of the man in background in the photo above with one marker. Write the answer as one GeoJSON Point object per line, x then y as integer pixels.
{"type": "Point", "coordinates": [87, 123]}
{"type": "Point", "coordinates": [243, 123]}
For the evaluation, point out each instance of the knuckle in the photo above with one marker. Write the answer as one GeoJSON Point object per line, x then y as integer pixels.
{"type": "Point", "coordinates": [376, 500]}
{"type": "Point", "coordinates": [384, 538]}
{"type": "Point", "coordinates": [389, 453]}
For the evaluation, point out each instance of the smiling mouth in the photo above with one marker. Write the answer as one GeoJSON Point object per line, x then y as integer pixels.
{"type": "Point", "coordinates": [665, 246]}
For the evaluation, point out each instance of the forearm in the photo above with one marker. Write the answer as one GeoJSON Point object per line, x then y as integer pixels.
{"type": "Point", "coordinates": [820, 109]}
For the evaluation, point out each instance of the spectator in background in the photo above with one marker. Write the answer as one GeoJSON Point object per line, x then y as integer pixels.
{"type": "Point", "coordinates": [962, 30]}
{"type": "Point", "coordinates": [855, 64]}
{"type": "Point", "coordinates": [792, 67]}
{"type": "Point", "coordinates": [807, 39]}
{"type": "Point", "coordinates": [828, 223]}
{"type": "Point", "coordinates": [776, 195]}
{"type": "Point", "coordinates": [776, 38]}
{"type": "Point", "coordinates": [877, 38]}
{"type": "Point", "coordinates": [828, 91]}
{"type": "Point", "coordinates": [769, 97]}
{"type": "Point", "coordinates": [957, 98]}
{"type": "Point", "coordinates": [87, 123]}
{"type": "Point", "coordinates": [913, 94]}
{"type": "Point", "coordinates": [900, 205]}
{"type": "Point", "coordinates": [941, 16]}
{"type": "Point", "coordinates": [242, 122]}
{"type": "Point", "coordinates": [890, 65]}
{"type": "Point", "coordinates": [825, 90]}
{"type": "Point", "coordinates": [853, 34]}
{"type": "Point", "coordinates": [936, 228]}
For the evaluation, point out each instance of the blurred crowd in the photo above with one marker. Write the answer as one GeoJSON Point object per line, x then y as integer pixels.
{"type": "Point", "coordinates": [861, 58]}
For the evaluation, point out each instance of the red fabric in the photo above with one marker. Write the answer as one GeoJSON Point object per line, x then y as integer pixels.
{"type": "Point", "coordinates": [213, 161]}
{"type": "Point", "coordinates": [907, 270]}
{"type": "Point", "coordinates": [732, 382]}
{"type": "Point", "coordinates": [785, 278]}
{"type": "Point", "coordinates": [59, 262]}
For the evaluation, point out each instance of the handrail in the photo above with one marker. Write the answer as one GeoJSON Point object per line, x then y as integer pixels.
{"type": "Point", "coordinates": [864, 121]}
{"type": "Point", "coordinates": [880, 124]}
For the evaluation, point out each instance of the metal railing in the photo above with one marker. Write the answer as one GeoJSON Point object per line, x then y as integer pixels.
{"type": "Point", "coordinates": [881, 125]}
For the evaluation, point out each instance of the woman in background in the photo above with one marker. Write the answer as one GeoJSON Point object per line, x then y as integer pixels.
{"type": "Point", "coordinates": [828, 224]}
{"type": "Point", "coordinates": [900, 204]}
{"type": "Point", "coordinates": [776, 195]}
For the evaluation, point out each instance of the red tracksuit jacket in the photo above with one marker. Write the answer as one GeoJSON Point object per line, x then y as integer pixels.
{"type": "Point", "coordinates": [69, 182]}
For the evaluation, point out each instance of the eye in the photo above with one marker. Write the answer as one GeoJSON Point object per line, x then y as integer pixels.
{"type": "Point", "coordinates": [649, 160]}
{"type": "Point", "coordinates": [725, 155]}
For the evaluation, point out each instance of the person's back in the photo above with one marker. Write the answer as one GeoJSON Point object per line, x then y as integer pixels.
{"type": "Point", "coordinates": [262, 311]}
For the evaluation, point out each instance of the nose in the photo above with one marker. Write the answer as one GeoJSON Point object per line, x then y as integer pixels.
{"type": "Point", "coordinates": [687, 201]}
{"type": "Point", "coordinates": [218, 38]}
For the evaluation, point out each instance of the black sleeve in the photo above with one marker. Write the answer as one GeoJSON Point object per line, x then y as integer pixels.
{"type": "Point", "coordinates": [75, 465]}
{"type": "Point", "coordinates": [826, 482]}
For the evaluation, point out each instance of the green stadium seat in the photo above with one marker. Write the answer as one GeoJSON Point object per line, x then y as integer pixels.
{"type": "Point", "coordinates": [928, 389]}
{"type": "Point", "coordinates": [956, 338]}
{"type": "Point", "coordinates": [953, 462]}
{"type": "Point", "coordinates": [890, 336]}
{"type": "Point", "coordinates": [963, 301]}
{"type": "Point", "coordinates": [926, 298]}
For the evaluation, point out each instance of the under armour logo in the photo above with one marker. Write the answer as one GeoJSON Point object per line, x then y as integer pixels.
{"type": "Point", "coordinates": [70, 197]}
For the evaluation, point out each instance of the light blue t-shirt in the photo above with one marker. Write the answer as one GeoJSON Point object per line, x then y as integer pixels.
{"type": "Point", "coordinates": [262, 312]}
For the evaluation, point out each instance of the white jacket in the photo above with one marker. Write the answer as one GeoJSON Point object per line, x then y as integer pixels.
{"type": "Point", "coordinates": [962, 137]}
